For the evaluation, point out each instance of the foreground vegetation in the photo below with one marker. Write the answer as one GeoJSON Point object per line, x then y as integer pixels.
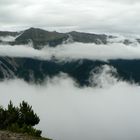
{"type": "Point", "coordinates": [7, 135]}
{"type": "Point", "coordinates": [20, 119]}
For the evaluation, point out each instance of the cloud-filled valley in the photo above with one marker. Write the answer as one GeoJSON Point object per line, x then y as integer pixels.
{"type": "Point", "coordinates": [69, 112]}
{"type": "Point", "coordinates": [104, 109]}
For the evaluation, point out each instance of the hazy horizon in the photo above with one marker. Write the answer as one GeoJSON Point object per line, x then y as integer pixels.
{"type": "Point", "coordinates": [103, 16]}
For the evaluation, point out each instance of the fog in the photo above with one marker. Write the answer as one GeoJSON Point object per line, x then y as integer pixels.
{"type": "Point", "coordinates": [74, 51]}
{"type": "Point", "coordinates": [68, 112]}
{"type": "Point", "coordinates": [23, 51]}
{"type": "Point", "coordinates": [7, 38]}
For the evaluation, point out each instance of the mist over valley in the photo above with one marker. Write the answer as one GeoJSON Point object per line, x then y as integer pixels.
{"type": "Point", "coordinates": [83, 86]}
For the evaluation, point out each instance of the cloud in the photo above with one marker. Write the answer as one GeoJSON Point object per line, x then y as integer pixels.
{"type": "Point", "coordinates": [125, 1]}
{"type": "Point", "coordinates": [7, 38]}
{"type": "Point", "coordinates": [22, 51]}
{"type": "Point", "coordinates": [62, 15]}
{"type": "Point", "coordinates": [71, 113]}
{"type": "Point", "coordinates": [75, 51]}
{"type": "Point", "coordinates": [94, 52]}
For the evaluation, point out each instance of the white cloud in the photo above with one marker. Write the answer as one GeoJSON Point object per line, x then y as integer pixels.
{"type": "Point", "coordinates": [94, 52]}
{"type": "Point", "coordinates": [74, 51]}
{"type": "Point", "coordinates": [26, 51]}
{"type": "Point", "coordinates": [63, 15]}
{"type": "Point", "coordinates": [71, 113]}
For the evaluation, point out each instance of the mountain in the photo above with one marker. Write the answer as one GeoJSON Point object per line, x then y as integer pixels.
{"type": "Point", "coordinates": [32, 70]}
{"type": "Point", "coordinates": [89, 38]}
{"type": "Point", "coordinates": [39, 37]}
{"type": "Point", "coordinates": [35, 70]}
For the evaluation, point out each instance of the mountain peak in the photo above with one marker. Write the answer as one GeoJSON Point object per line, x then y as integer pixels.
{"type": "Point", "coordinates": [41, 37]}
{"type": "Point", "coordinates": [35, 29]}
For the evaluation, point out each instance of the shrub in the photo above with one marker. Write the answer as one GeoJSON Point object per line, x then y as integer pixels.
{"type": "Point", "coordinates": [19, 119]}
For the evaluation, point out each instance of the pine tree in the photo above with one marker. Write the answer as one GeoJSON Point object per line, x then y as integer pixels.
{"type": "Point", "coordinates": [27, 115]}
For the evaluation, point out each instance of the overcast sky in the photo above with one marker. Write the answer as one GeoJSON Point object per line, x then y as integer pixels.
{"type": "Point", "coordinates": [106, 16]}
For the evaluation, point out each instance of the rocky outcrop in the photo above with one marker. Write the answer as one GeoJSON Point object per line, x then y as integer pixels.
{"type": "Point", "coordinates": [5, 135]}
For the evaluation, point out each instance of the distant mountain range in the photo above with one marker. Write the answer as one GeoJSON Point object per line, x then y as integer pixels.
{"type": "Point", "coordinates": [33, 70]}
{"type": "Point", "coordinates": [42, 37]}
{"type": "Point", "coordinates": [39, 37]}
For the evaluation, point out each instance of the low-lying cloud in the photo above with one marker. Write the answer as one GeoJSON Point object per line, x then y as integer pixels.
{"type": "Point", "coordinates": [74, 51]}
{"type": "Point", "coordinates": [22, 51]}
{"type": "Point", "coordinates": [68, 112]}
{"type": "Point", "coordinates": [7, 38]}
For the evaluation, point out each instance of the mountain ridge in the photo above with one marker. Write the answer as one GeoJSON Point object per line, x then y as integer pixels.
{"type": "Point", "coordinates": [40, 37]}
{"type": "Point", "coordinates": [34, 70]}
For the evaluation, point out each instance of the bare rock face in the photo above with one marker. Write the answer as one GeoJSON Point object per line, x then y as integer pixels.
{"type": "Point", "coordinates": [5, 135]}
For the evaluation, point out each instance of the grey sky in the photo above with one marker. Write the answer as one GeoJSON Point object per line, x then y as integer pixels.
{"type": "Point", "coordinates": [107, 16]}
